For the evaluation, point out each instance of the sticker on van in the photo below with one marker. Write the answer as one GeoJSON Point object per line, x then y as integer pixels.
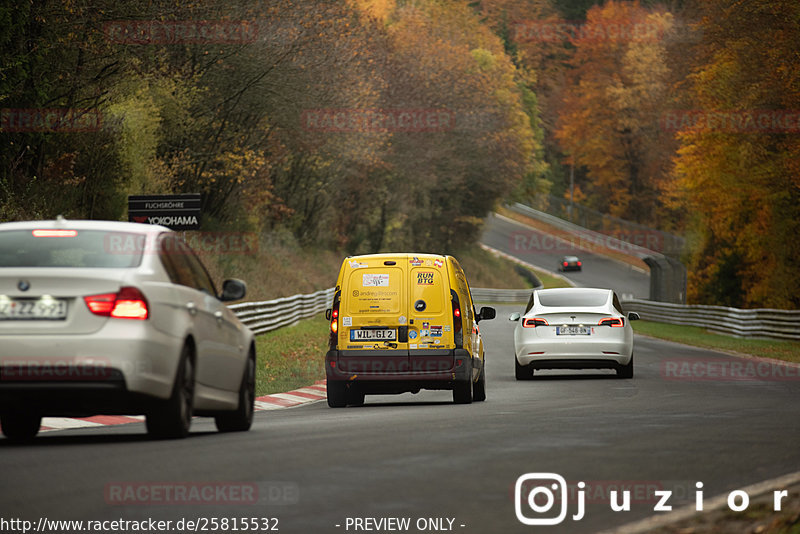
{"type": "Point", "coordinates": [425, 278]}
{"type": "Point", "coordinates": [375, 280]}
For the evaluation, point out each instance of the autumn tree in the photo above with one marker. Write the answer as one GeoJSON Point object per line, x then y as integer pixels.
{"type": "Point", "coordinates": [740, 179]}
{"type": "Point", "coordinates": [609, 117]}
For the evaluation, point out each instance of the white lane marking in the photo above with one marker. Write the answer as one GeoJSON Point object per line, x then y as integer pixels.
{"type": "Point", "coordinates": [309, 391]}
{"type": "Point", "coordinates": [267, 406]}
{"type": "Point", "coordinates": [754, 490]}
{"type": "Point", "coordinates": [289, 397]}
{"type": "Point", "coordinates": [62, 423]}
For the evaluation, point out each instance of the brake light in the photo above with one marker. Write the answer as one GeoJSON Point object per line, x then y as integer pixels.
{"type": "Point", "coordinates": [579, 264]}
{"type": "Point", "coordinates": [458, 335]}
{"type": "Point", "coordinates": [128, 303]}
{"type": "Point", "coordinates": [333, 340]}
{"type": "Point", "coordinates": [566, 263]}
{"type": "Point", "coordinates": [534, 322]}
{"type": "Point", "coordinates": [335, 320]}
{"type": "Point", "coordinates": [55, 233]}
{"type": "Point", "coordinates": [612, 321]}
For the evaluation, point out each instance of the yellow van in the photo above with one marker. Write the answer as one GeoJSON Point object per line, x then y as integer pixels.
{"type": "Point", "coordinates": [401, 323]}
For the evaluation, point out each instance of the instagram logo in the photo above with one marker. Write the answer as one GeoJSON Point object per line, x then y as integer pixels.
{"type": "Point", "coordinates": [540, 491]}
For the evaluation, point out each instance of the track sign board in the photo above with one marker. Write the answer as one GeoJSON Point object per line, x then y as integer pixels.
{"type": "Point", "coordinates": [177, 212]}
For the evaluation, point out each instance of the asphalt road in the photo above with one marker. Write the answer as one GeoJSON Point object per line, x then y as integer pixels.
{"type": "Point", "coordinates": [545, 251]}
{"type": "Point", "coordinates": [420, 456]}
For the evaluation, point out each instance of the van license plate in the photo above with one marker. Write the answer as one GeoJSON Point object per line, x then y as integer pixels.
{"type": "Point", "coordinates": [383, 334]}
{"type": "Point", "coordinates": [572, 331]}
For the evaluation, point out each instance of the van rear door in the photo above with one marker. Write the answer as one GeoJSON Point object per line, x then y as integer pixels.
{"type": "Point", "coordinates": [374, 315]}
{"type": "Point", "coordinates": [430, 312]}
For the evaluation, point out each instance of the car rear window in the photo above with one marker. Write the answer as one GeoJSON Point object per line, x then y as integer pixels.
{"type": "Point", "coordinates": [569, 299]}
{"type": "Point", "coordinates": [44, 247]}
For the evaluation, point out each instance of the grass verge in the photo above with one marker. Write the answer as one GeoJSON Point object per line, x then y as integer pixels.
{"type": "Point", "coordinates": [291, 357]}
{"type": "Point", "coordinates": [700, 337]}
{"type": "Point", "coordinates": [549, 281]}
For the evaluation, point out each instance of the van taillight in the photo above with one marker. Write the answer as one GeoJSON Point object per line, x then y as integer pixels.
{"type": "Point", "coordinates": [128, 303]}
{"type": "Point", "coordinates": [335, 320]}
{"type": "Point", "coordinates": [458, 336]}
{"type": "Point", "coordinates": [334, 324]}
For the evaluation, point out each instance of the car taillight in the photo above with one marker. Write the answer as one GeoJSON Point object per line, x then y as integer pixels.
{"type": "Point", "coordinates": [579, 264]}
{"type": "Point", "coordinates": [534, 322]}
{"type": "Point", "coordinates": [127, 303]}
{"type": "Point", "coordinates": [566, 263]}
{"type": "Point", "coordinates": [612, 321]}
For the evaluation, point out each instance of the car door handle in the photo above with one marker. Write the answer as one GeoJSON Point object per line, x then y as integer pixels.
{"type": "Point", "coordinates": [192, 308]}
{"type": "Point", "coordinates": [218, 316]}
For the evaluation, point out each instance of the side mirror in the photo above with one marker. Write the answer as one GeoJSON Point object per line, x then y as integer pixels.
{"type": "Point", "coordinates": [233, 290]}
{"type": "Point", "coordinates": [633, 316]}
{"type": "Point", "coordinates": [514, 317]}
{"type": "Point", "coordinates": [328, 313]}
{"type": "Point", "coordinates": [487, 313]}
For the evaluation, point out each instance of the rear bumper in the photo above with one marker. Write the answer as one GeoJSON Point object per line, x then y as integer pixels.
{"type": "Point", "coordinates": [577, 363]}
{"type": "Point", "coordinates": [74, 399]}
{"type": "Point", "coordinates": [377, 371]}
{"type": "Point", "coordinates": [589, 349]}
{"type": "Point", "coordinates": [122, 369]}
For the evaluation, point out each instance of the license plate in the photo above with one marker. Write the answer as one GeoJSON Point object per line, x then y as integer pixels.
{"type": "Point", "coordinates": [21, 309]}
{"type": "Point", "coordinates": [383, 334]}
{"type": "Point", "coordinates": [572, 331]}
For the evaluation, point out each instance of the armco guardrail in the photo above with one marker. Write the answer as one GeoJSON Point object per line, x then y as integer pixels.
{"type": "Point", "coordinates": [667, 275]}
{"type": "Point", "coordinates": [762, 322]}
{"type": "Point", "coordinates": [262, 317]}
{"type": "Point", "coordinates": [270, 315]}
{"type": "Point", "coordinates": [480, 294]}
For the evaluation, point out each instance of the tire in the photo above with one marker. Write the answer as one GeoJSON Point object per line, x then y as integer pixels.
{"type": "Point", "coordinates": [462, 392]}
{"type": "Point", "coordinates": [522, 372]}
{"type": "Point", "coordinates": [354, 396]}
{"type": "Point", "coordinates": [173, 418]}
{"type": "Point", "coordinates": [20, 427]}
{"type": "Point", "coordinates": [479, 388]}
{"type": "Point", "coordinates": [241, 419]}
{"type": "Point", "coordinates": [337, 394]}
{"type": "Point", "coordinates": [626, 371]}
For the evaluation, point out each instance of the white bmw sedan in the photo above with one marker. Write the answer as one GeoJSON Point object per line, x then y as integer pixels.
{"type": "Point", "coordinates": [573, 328]}
{"type": "Point", "coordinates": [120, 319]}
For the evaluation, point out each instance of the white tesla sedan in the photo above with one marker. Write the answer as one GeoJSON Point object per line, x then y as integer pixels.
{"type": "Point", "coordinates": [117, 318]}
{"type": "Point", "coordinates": [573, 328]}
